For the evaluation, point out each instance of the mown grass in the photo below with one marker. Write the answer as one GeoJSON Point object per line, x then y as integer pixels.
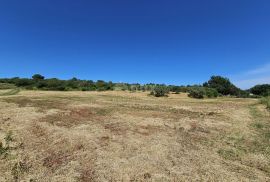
{"type": "Point", "coordinates": [240, 146]}
{"type": "Point", "coordinates": [76, 135]}
{"type": "Point", "coordinates": [262, 127]}
{"type": "Point", "coordinates": [11, 92]}
{"type": "Point", "coordinates": [229, 154]}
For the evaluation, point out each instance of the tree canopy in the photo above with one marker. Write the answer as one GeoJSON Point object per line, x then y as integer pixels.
{"type": "Point", "coordinates": [262, 90]}
{"type": "Point", "coordinates": [223, 86]}
{"type": "Point", "coordinates": [38, 77]}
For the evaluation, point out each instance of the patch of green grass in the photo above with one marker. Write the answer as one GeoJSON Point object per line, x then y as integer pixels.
{"type": "Point", "coordinates": [238, 146]}
{"type": "Point", "coordinates": [254, 111]}
{"type": "Point", "coordinates": [261, 124]}
{"type": "Point", "coordinates": [267, 136]}
{"type": "Point", "coordinates": [229, 154]}
{"type": "Point", "coordinates": [265, 101]}
{"type": "Point", "coordinates": [10, 92]}
{"type": "Point", "coordinates": [103, 112]}
{"type": "Point", "coordinates": [258, 125]}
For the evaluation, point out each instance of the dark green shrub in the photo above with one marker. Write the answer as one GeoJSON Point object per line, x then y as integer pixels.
{"type": "Point", "coordinates": [41, 84]}
{"type": "Point", "coordinates": [197, 93]}
{"type": "Point", "coordinates": [23, 82]}
{"type": "Point", "coordinates": [201, 92]}
{"type": "Point", "coordinates": [262, 90]}
{"type": "Point", "coordinates": [243, 94]}
{"type": "Point", "coordinates": [211, 93]}
{"type": "Point", "coordinates": [55, 84]}
{"type": "Point", "coordinates": [73, 83]}
{"type": "Point", "coordinates": [159, 91]}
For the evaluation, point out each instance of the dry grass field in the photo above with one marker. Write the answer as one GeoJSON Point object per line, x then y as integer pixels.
{"type": "Point", "coordinates": [122, 136]}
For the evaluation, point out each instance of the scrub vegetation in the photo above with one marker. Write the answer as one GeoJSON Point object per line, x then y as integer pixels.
{"type": "Point", "coordinates": [216, 86]}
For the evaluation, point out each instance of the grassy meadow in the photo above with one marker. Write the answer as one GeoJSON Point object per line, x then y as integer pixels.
{"type": "Point", "coordinates": [123, 136]}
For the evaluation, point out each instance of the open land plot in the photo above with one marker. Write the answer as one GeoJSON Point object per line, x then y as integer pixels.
{"type": "Point", "coordinates": [122, 136]}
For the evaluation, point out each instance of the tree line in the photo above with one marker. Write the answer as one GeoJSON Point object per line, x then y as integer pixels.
{"type": "Point", "coordinates": [214, 87]}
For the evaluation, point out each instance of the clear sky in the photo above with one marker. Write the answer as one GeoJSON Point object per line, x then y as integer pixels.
{"type": "Point", "coordinates": [162, 41]}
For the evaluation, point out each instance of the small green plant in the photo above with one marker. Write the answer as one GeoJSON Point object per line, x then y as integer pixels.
{"type": "Point", "coordinates": [8, 138]}
{"type": "Point", "coordinates": [4, 149]}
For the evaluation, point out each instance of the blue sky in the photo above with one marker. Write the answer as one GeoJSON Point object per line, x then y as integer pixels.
{"type": "Point", "coordinates": [173, 41]}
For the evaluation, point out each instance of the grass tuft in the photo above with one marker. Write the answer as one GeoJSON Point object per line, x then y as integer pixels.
{"type": "Point", "coordinates": [5, 148]}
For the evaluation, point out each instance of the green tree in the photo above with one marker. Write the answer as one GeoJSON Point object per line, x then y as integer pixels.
{"type": "Point", "coordinates": [262, 90]}
{"type": "Point", "coordinates": [222, 85]}
{"type": "Point", "coordinates": [38, 77]}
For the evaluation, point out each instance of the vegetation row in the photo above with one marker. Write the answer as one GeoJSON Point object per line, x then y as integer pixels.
{"type": "Point", "coordinates": [216, 86]}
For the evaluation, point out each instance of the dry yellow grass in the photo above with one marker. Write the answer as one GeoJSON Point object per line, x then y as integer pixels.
{"type": "Point", "coordinates": [122, 136]}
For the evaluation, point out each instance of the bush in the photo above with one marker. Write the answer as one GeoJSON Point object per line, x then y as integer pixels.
{"type": "Point", "coordinates": [201, 92]}
{"type": "Point", "coordinates": [196, 93]}
{"type": "Point", "coordinates": [266, 101]}
{"type": "Point", "coordinates": [159, 91]}
{"type": "Point", "coordinates": [243, 94]}
{"type": "Point", "coordinates": [23, 82]}
{"type": "Point", "coordinates": [55, 84]}
{"type": "Point", "coordinates": [211, 93]}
